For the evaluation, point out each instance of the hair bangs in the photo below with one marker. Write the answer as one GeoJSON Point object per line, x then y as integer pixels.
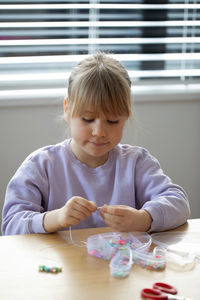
{"type": "Point", "coordinates": [100, 95]}
{"type": "Point", "coordinates": [99, 84]}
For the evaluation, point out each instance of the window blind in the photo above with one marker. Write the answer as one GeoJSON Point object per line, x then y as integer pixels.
{"type": "Point", "coordinates": [41, 41]}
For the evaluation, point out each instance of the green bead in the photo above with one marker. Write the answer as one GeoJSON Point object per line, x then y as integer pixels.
{"type": "Point", "coordinates": [41, 268]}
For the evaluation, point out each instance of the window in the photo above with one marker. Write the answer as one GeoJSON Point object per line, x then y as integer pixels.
{"type": "Point", "coordinates": [41, 41]}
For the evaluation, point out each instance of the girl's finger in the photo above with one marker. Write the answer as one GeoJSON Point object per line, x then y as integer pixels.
{"type": "Point", "coordinates": [78, 215]}
{"type": "Point", "coordinates": [80, 208]}
{"type": "Point", "coordinates": [89, 205]}
{"type": "Point", "coordinates": [112, 218]}
{"type": "Point", "coordinates": [118, 210]}
{"type": "Point", "coordinates": [73, 221]}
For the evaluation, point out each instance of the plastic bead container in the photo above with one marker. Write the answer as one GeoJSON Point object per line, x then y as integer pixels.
{"type": "Point", "coordinates": [106, 245]}
{"type": "Point", "coordinates": [182, 249]}
{"type": "Point", "coordinates": [155, 260]}
{"type": "Point", "coordinates": [121, 263]}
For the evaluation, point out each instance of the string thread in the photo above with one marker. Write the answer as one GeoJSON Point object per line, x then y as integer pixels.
{"type": "Point", "coordinates": [71, 238]}
{"type": "Point", "coordinates": [74, 242]}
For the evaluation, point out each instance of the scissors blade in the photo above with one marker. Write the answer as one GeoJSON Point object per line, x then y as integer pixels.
{"type": "Point", "coordinates": [172, 297]}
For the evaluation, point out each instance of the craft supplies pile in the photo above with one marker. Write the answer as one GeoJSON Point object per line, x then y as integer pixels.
{"type": "Point", "coordinates": [124, 249]}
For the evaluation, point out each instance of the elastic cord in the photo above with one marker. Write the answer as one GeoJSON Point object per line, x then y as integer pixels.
{"type": "Point", "coordinates": [83, 244]}
{"type": "Point", "coordinates": [71, 238]}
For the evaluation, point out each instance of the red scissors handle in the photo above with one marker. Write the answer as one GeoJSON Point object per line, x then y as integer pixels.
{"type": "Point", "coordinates": [153, 294]}
{"type": "Point", "coordinates": [164, 287]}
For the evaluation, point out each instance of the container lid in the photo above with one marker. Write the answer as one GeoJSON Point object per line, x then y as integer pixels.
{"type": "Point", "coordinates": [178, 241]}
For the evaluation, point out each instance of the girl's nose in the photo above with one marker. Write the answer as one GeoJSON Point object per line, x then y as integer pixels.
{"type": "Point", "coordinates": [98, 128]}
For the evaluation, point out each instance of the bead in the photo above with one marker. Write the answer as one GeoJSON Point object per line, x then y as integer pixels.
{"type": "Point", "coordinates": [41, 268]}
{"type": "Point", "coordinates": [121, 242]}
{"type": "Point", "coordinates": [49, 269]}
{"type": "Point", "coordinates": [93, 252]}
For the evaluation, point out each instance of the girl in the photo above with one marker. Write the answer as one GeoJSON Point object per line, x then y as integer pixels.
{"type": "Point", "coordinates": [91, 180]}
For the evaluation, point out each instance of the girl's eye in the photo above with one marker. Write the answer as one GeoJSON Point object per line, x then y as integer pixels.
{"type": "Point", "coordinates": [92, 120]}
{"type": "Point", "coordinates": [87, 120]}
{"type": "Point", "coordinates": [113, 122]}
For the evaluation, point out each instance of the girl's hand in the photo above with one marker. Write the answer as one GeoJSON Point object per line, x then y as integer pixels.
{"type": "Point", "coordinates": [75, 210]}
{"type": "Point", "coordinates": [126, 218]}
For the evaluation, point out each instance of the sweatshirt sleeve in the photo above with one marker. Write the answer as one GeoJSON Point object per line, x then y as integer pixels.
{"type": "Point", "coordinates": [24, 210]}
{"type": "Point", "coordinates": [165, 201]}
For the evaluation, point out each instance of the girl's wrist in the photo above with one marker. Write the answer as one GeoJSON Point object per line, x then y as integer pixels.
{"type": "Point", "coordinates": [146, 220]}
{"type": "Point", "coordinates": [51, 221]}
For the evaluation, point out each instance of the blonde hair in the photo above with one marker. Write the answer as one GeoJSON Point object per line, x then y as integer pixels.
{"type": "Point", "coordinates": [102, 83]}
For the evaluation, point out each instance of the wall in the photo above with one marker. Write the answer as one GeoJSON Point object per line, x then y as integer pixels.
{"type": "Point", "coordinates": [170, 130]}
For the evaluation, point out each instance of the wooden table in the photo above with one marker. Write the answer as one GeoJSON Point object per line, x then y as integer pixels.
{"type": "Point", "coordinates": [82, 276]}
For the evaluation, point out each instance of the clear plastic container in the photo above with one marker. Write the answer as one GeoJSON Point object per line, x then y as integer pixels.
{"type": "Point", "coordinates": [106, 245]}
{"type": "Point", "coordinates": [178, 241]}
{"type": "Point", "coordinates": [155, 260]}
{"type": "Point", "coordinates": [120, 264]}
{"type": "Point", "coordinates": [182, 248]}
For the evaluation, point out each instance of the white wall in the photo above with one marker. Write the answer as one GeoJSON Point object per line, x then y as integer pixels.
{"type": "Point", "coordinates": [170, 130]}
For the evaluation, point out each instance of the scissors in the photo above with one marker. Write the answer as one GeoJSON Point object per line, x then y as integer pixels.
{"type": "Point", "coordinates": [160, 291]}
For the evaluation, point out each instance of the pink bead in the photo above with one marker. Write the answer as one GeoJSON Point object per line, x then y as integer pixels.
{"type": "Point", "coordinates": [121, 242]}
{"type": "Point", "coordinates": [93, 252]}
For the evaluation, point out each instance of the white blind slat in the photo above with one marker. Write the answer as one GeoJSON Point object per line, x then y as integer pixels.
{"type": "Point", "coordinates": [74, 58]}
{"type": "Point", "coordinates": [100, 24]}
{"type": "Point", "coordinates": [99, 6]}
{"type": "Point", "coordinates": [102, 41]}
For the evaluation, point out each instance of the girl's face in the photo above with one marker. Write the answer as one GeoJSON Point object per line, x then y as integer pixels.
{"type": "Point", "coordinates": [93, 136]}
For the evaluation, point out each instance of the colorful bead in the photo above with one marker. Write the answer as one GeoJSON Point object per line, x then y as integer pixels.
{"type": "Point", "coordinates": [49, 270]}
{"type": "Point", "coordinates": [93, 252]}
{"type": "Point", "coordinates": [112, 246]}
{"type": "Point", "coordinates": [121, 242]}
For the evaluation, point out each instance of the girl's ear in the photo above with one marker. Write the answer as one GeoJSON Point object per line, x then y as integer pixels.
{"type": "Point", "coordinates": [66, 111]}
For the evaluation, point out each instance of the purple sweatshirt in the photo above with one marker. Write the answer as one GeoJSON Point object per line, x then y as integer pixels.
{"type": "Point", "coordinates": [52, 175]}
